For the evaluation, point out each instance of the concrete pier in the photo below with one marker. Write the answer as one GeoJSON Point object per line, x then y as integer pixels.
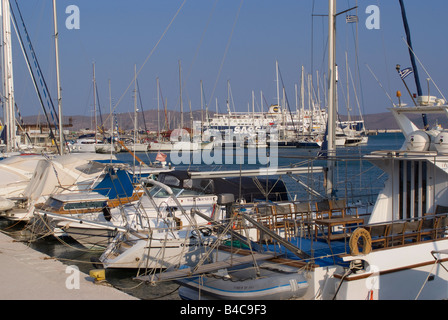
{"type": "Point", "coordinates": [26, 274]}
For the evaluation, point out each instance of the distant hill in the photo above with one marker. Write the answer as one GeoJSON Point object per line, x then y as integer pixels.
{"type": "Point", "coordinates": [378, 121]}
{"type": "Point", "coordinates": [146, 120]}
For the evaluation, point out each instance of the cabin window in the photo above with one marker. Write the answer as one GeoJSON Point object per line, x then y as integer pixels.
{"type": "Point", "coordinates": [203, 185]}
{"type": "Point", "coordinates": [190, 183]}
{"type": "Point", "coordinates": [84, 205]}
{"type": "Point", "coordinates": [158, 192]}
{"type": "Point", "coordinates": [53, 204]}
{"type": "Point", "coordinates": [170, 180]}
{"type": "Point", "coordinates": [91, 167]}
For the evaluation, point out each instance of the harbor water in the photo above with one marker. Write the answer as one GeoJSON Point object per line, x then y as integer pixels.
{"type": "Point", "coordinates": [357, 180]}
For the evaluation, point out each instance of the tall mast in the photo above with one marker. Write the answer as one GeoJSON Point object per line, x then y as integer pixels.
{"type": "Point", "coordinates": [202, 107]}
{"type": "Point", "coordinates": [181, 105]}
{"type": "Point", "coordinates": [278, 88]}
{"type": "Point", "coordinates": [310, 106]}
{"type": "Point", "coordinates": [8, 82]}
{"type": "Point", "coordinates": [331, 94]}
{"type": "Point", "coordinates": [135, 106]}
{"type": "Point", "coordinates": [111, 120]}
{"type": "Point", "coordinates": [348, 87]}
{"type": "Point", "coordinates": [158, 111]}
{"type": "Point", "coordinates": [302, 94]}
{"type": "Point", "coordinates": [228, 100]}
{"type": "Point", "coordinates": [206, 106]}
{"type": "Point", "coordinates": [253, 103]}
{"type": "Point", "coordinates": [411, 55]}
{"type": "Point", "coordinates": [56, 44]}
{"type": "Point", "coordinates": [95, 121]}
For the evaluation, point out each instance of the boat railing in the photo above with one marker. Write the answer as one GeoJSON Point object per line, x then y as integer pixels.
{"type": "Point", "coordinates": [429, 227]}
{"type": "Point", "coordinates": [291, 219]}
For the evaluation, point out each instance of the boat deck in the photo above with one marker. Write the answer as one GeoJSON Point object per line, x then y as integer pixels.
{"type": "Point", "coordinates": [322, 253]}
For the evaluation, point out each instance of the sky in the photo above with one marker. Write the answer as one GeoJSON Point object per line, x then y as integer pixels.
{"type": "Point", "coordinates": [225, 44]}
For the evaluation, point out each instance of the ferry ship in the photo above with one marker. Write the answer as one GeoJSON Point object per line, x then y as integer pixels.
{"type": "Point", "coordinates": [279, 124]}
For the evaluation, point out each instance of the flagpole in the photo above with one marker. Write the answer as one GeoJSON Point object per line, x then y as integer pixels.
{"type": "Point", "coordinates": [404, 82]}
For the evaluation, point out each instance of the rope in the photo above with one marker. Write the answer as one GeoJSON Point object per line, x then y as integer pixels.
{"type": "Point", "coordinates": [426, 280]}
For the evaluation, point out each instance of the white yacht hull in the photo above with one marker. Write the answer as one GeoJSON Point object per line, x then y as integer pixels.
{"type": "Point", "coordinates": [157, 252]}
{"type": "Point", "coordinates": [403, 273]}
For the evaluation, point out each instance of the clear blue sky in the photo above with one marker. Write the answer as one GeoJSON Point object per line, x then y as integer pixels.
{"type": "Point", "coordinates": [117, 35]}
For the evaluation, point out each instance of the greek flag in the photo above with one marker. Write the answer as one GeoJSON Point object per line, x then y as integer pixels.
{"type": "Point", "coordinates": [405, 72]}
{"type": "Point", "coordinates": [351, 19]}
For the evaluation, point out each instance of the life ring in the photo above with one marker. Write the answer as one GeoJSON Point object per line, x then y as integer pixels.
{"type": "Point", "coordinates": [367, 242]}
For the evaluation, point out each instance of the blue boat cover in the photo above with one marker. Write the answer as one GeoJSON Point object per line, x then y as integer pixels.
{"type": "Point", "coordinates": [116, 183]}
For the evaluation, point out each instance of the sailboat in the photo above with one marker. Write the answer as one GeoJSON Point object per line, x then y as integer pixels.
{"type": "Point", "coordinates": [397, 252]}
{"type": "Point", "coordinates": [177, 210]}
{"type": "Point", "coordinates": [313, 122]}
{"type": "Point", "coordinates": [350, 132]}
{"type": "Point", "coordinates": [180, 139]}
{"type": "Point", "coordinates": [89, 142]}
{"type": "Point", "coordinates": [69, 213]}
{"type": "Point", "coordinates": [16, 168]}
{"type": "Point", "coordinates": [136, 145]}
{"type": "Point", "coordinates": [40, 176]}
{"type": "Point", "coordinates": [60, 174]}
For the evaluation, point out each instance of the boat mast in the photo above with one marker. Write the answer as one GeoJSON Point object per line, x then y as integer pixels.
{"type": "Point", "coordinates": [94, 102]}
{"type": "Point", "coordinates": [111, 121]}
{"type": "Point", "coordinates": [302, 99]}
{"type": "Point", "coordinates": [202, 110]}
{"type": "Point", "coordinates": [348, 87]}
{"type": "Point", "coordinates": [409, 42]}
{"type": "Point", "coordinates": [411, 54]}
{"type": "Point", "coordinates": [56, 44]}
{"type": "Point", "coordinates": [8, 83]}
{"type": "Point", "coordinates": [278, 88]}
{"type": "Point", "coordinates": [310, 107]}
{"type": "Point", "coordinates": [331, 94]}
{"type": "Point", "coordinates": [158, 109]}
{"type": "Point", "coordinates": [181, 105]}
{"type": "Point", "coordinates": [135, 106]}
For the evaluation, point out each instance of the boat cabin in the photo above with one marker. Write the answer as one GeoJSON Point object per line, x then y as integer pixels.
{"type": "Point", "coordinates": [74, 203]}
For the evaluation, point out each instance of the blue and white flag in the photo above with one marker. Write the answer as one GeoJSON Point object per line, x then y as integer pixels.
{"type": "Point", "coordinates": [405, 72]}
{"type": "Point", "coordinates": [351, 19]}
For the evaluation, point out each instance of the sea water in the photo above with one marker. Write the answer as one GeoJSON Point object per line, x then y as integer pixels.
{"type": "Point", "coordinates": [355, 178]}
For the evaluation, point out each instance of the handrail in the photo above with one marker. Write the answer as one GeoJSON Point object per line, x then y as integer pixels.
{"type": "Point", "coordinates": [428, 215]}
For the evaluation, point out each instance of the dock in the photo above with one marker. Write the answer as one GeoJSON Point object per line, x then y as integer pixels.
{"type": "Point", "coordinates": [27, 274]}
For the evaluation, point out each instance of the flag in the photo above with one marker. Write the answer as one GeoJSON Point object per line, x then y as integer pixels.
{"type": "Point", "coordinates": [160, 157]}
{"type": "Point", "coordinates": [351, 19]}
{"type": "Point", "coordinates": [405, 72]}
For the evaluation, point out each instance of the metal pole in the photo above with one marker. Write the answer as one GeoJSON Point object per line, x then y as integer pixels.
{"type": "Point", "coordinates": [56, 44]}
{"type": "Point", "coordinates": [331, 94]}
{"type": "Point", "coordinates": [8, 78]}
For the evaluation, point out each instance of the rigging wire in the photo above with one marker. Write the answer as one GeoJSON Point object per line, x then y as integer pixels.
{"type": "Point", "coordinates": [226, 50]}
{"type": "Point", "coordinates": [200, 43]}
{"type": "Point", "coordinates": [39, 72]}
{"type": "Point", "coordinates": [149, 55]}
